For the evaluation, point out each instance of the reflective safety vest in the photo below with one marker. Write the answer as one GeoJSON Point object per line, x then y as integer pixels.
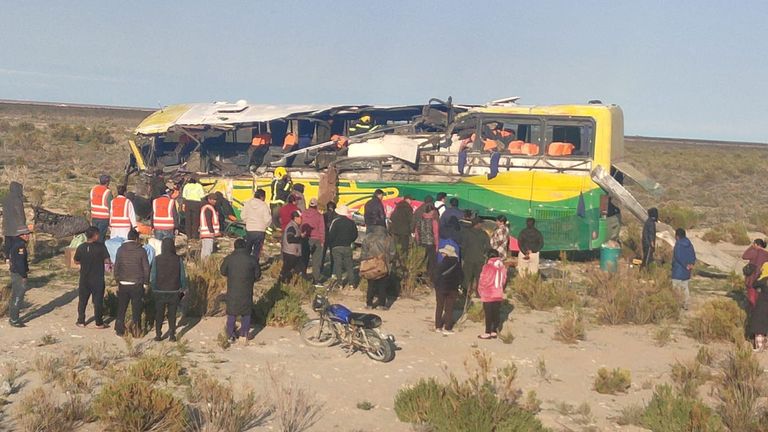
{"type": "Point", "coordinates": [118, 217]}
{"type": "Point", "coordinates": [162, 213]}
{"type": "Point", "coordinates": [99, 207]}
{"type": "Point", "coordinates": [204, 231]}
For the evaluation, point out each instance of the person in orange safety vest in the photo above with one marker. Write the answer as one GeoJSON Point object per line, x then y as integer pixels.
{"type": "Point", "coordinates": [122, 217]}
{"type": "Point", "coordinates": [101, 201]}
{"type": "Point", "coordinates": [209, 226]}
{"type": "Point", "coordinates": [164, 216]}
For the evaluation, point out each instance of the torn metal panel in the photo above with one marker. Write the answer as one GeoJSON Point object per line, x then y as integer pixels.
{"type": "Point", "coordinates": [397, 146]}
{"type": "Point", "coordinates": [647, 183]}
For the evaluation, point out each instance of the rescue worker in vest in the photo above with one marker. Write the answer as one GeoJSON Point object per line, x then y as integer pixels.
{"type": "Point", "coordinates": [164, 217]}
{"type": "Point", "coordinates": [101, 202]}
{"type": "Point", "coordinates": [193, 195]}
{"type": "Point", "coordinates": [209, 226]}
{"type": "Point", "coordinates": [122, 217]}
{"type": "Point", "coordinates": [363, 125]}
{"type": "Point", "coordinates": [280, 189]}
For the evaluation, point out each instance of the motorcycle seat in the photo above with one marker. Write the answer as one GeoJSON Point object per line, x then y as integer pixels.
{"type": "Point", "coordinates": [365, 320]}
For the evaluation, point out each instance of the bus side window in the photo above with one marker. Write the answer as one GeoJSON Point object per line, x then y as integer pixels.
{"type": "Point", "coordinates": [566, 140]}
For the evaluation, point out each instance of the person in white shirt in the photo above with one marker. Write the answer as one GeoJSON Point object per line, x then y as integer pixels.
{"type": "Point", "coordinates": [257, 217]}
{"type": "Point", "coordinates": [440, 203]}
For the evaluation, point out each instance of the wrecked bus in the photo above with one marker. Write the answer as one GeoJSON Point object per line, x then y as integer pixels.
{"type": "Point", "coordinates": [499, 158]}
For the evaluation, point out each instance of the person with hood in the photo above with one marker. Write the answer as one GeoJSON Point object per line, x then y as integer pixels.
{"type": "Point", "coordinates": [18, 258]}
{"type": "Point", "coordinates": [447, 280]}
{"type": "Point", "coordinates": [101, 202]}
{"type": "Point", "coordinates": [758, 317]}
{"type": "Point", "coordinates": [427, 235]}
{"type": "Point", "coordinates": [374, 211]}
{"type": "Point", "coordinates": [131, 271]}
{"type": "Point", "coordinates": [257, 218]}
{"type": "Point", "coordinates": [378, 243]}
{"type": "Point", "coordinates": [757, 256]}
{"type": "Point", "coordinates": [400, 226]}
{"type": "Point", "coordinates": [169, 284]}
{"type": "Point", "coordinates": [313, 225]}
{"type": "Point", "coordinates": [474, 245]}
{"type": "Point", "coordinates": [291, 248]}
{"type": "Point", "coordinates": [493, 278]}
{"type": "Point", "coordinates": [649, 236]}
{"type": "Point", "coordinates": [342, 234]}
{"type": "Point", "coordinates": [92, 256]}
{"type": "Point", "coordinates": [239, 268]}
{"type": "Point", "coordinates": [530, 242]}
{"type": "Point", "coordinates": [14, 219]}
{"type": "Point", "coordinates": [298, 192]}
{"type": "Point", "coordinates": [225, 209]}
{"type": "Point", "coordinates": [683, 259]}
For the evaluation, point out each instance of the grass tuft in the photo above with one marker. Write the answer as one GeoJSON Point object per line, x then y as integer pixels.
{"type": "Point", "coordinates": [613, 381]}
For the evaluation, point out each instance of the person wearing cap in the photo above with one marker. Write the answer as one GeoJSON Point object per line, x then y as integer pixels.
{"type": "Point", "coordinates": [447, 280]}
{"type": "Point", "coordinates": [474, 243]}
{"type": "Point", "coordinates": [291, 248]}
{"type": "Point", "coordinates": [122, 216]}
{"type": "Point", "coordinates": [363, 125]}
{"type": "Point", "coordinates": [401, 226]}
{"type": "Point", "coordinates": [298, 192]}
{"type": "Point", "coordinates": [378, 243]}
{"type": "Point", "coordinates": [279, 190]}
{"type": "Point", "coordinates": [101, 203]}
{"type": "Point", "coordinates": [18, 258]}
{"type": "Point", "coordinates": [193, 195]}
{"type": "Point", "coordinates": [374, 211]}
{"type": "Point", "coordinates": [342, 233]}
{"type": "Point", "coordinates": [313, 225]}
{"type": "Point", "coordinates": [164, 217]}
{"type": "Point", "coordinates": [210, 227]}
{"type": "Point", "coordinates": [257, 218]}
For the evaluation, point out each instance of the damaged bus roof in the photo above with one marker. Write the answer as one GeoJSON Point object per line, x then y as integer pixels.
{"type": "Point", "coordinates": [227, 116]}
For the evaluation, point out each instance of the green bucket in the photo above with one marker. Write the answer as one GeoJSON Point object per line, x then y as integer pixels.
{"type": "Point", "coordinates": [609, 258]}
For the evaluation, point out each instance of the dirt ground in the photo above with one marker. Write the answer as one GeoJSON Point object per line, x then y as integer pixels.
{"type": "Point", "coordinates": [341, 382]}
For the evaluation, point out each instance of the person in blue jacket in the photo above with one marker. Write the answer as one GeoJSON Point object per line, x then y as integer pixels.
{"type": "Point", "coordinates": [683, 259]}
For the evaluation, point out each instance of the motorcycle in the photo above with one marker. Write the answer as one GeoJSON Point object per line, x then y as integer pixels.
{"type": "Point", "coordinates": [353, 331]}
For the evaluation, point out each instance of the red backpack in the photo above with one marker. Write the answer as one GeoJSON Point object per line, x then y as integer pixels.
{"type": "Point", "coordinates": [493, 277]}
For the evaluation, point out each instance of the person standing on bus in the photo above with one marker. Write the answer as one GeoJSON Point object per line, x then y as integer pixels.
{"type": "Point", "coordinates": [374, 211]}
{"type": "Point", "coordinates": [649, 236]}
{"type": "Point", "coordinates": [363, 125]}
{"type": "Point", "coordinates": [530, 242]}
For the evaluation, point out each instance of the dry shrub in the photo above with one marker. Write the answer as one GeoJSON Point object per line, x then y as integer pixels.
{"type": "Point", "coordinates": [5, 299]}
{"type": "Point", "coordinates": [663, 335]}
{"type": "Point", "coordinates": [486, 400]}
{"type": "Point", "coordinates": [535, 293]}
{"type": "Point", "coordinates": [614, 381]}
{"type": "Point", "coordinates": [220, 411]}
{"type": "Point", "coordinates": [206, 287]}
{"type": "Point", "coordinates": [98, 357]}
{"type": "Point", "coordinates": [705, 356]}
{"type": "Point", "coordinates": [687, 378]}
{"type": "Point", "coordinates": [625, 297]}
{"type": "Point", "coordinates": [671, 412]}
{"type": "Point", "coordinates": [734, 232]}
{"type": "Point", "coordinates": [38, 411]}
{"type": "Point", "coordinates": [531, 402]}
{"type": "Point", "coordinates": [741, 391]}
{"type": "Point", "coordinates": [48, 367]}
{"type": "Point", "coordinates": [570, 327]}
{"type": "Point", "coordinates": [679, 216]}
{"type": "Point", "coordinates": [296, 408]}
{"type": "Point", "coordinates": [505, 335]}
{"type": "Point", "coordinates": [154, 368]}
{"type": "Point", "coordinates": [717, 320]}
{"type": "Point", "coordinates": [475, 312]}
{"type": "Point", "coordinates": [411, 285]}
{"type": "Point", "coordinates": [10, 377]}
{"type": "Point", "coordinates": [129, 404]}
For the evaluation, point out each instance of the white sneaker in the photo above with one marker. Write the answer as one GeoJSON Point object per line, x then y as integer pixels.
{"type": "Point", "coordinates": [437, 330]}
{"type": "Point", "coordinates": [448, 332]}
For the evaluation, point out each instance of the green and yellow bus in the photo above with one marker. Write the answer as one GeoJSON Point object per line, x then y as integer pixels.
{"type": "Point", "coordinates": [497, 159]}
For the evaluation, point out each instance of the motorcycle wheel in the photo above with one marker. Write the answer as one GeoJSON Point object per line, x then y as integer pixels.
{"type": "Point", "coordinates": [317, 332]}
{"type": "Point", "coordinates": [381, 350]}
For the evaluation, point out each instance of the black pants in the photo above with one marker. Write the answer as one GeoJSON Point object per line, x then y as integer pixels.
{"type": "Point", "coordinates": [492, 310]}
{"type": "Point", "coordinates": [444, 309]}
{"type": "Point", "coordinates": [86, 290]}
{"type": "Point", "coordinates": [647, 256]}
{"type": "Point", "coordinates": [133, 294]}
{"type": "Point", "coordinates": [192, 218]}
{"type": "Point", "coordinates": [471, 275]}
{"type": "Point", "coordinates": [165, 302]}
{"type": "Point", "coordinates": [430, 258]}
{"type": "Point", "coordinates": [292, 264]}
{"type": "Point", "coordinates": [377, 288]}
{"type": "Point", "coordinates": [403, 243]}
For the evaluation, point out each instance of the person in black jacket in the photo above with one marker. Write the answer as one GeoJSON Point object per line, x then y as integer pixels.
{"type": "Point", "coordinates": [401, 226]}
{"type": "Point", "coordinates": [474, 242]}
{"type": "Point", "coordinates": [131, 272]}
{"type": "Point", "coordinates": [18, 259]}
{"type": "Point", "coordinates": [649, 236]}
{"type": "Point", "coordinates": [92, 256]}
{"type": "Point", "coordinates": [291, 248]}
{"type": "Point", "coordinates": [169, 283]}
{"type": "Point", "coordinates": [240, 269]}
{"type": "Point", "coordinates": [341, 235]}
{"type": "Point", "coordinates": [14, 219]}
{"type": "Point", "coordinates": [449, 276]}
{"type": "Point", "coordinates": [374, 211]}
{"type": "Point", "coordinates": [530, 241]}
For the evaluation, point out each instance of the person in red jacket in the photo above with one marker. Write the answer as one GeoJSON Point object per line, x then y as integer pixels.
{"type": "Point", "coordinates": [757, 256]}
{"type": "Point", "coordinates": [287, 210]}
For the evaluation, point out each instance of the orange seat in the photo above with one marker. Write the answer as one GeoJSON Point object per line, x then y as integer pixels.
{"type": "Point", "coordinates": [515, 147]}
{"type": "Point", "coordinates": [530, 149]}
{"type": "Point", "coordinates": [490, 145]}
{"type": "Point", "coordinates": [261, 139]}
{"type": "Point", "coordinates": [560, 149]}
{"type": "Point", "coordinates": [340, 140]}
{"type": "Point", "coordinates": [290, 140]}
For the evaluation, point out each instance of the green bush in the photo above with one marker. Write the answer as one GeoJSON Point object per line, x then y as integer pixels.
{"type": "Point", "coordinates": [475, 312]}
{"type": "Point", "coordinates": [570, 327]}
{"type": "Point", "coordinates": [717, 320]}
{"type": "Point", "coordinates": [287, 312]}
{"type": "Point", "coordinates": [535, 293]}
{"type": "Point", "coordinates": [206, 287]}
{"type": "Point", "coordinates": [670, 412]}
{"type": "Point", "coordinates": [484, 402]}
{"type": "Point", "coordinates": [688, 377]}
{"type": "Point", "coordinates": [625, 297]}
{"type": "Point", "coordinates": [679, 216]}
{"type": "Point", "coordinates": [612, 382]}
{"type": "Point", "coordinates": [39, 411]}
{"type": "Point", "coordinates": [741, 390]}
{"type": "Point", "coordinates": [154, 368]}
{"type": "Point", "coordinates": [129, 404]}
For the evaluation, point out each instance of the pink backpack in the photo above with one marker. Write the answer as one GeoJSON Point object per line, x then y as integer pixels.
{"type": "Point", "coordinates": [493, 277]}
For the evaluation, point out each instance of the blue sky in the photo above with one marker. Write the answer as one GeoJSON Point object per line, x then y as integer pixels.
{"type": "Point", "coordinates": [683, 69]}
